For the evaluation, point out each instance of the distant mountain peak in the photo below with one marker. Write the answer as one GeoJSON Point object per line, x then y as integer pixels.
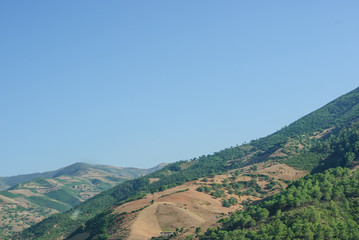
{"type": "Point", "coordinates": [77, 169]}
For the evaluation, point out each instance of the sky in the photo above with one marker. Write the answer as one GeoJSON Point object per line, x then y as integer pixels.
{"type": "Point", "coordinates": [138, 83]}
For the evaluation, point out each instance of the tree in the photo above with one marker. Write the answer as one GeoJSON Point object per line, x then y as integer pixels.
{"type": "Point", "coordinates": [254, 168]}
{"type": "Point", "coordinates": [225, 203]}
{"type": "Point", "coordinates": [349, 158]}
{"type": "Point", "coordinates": [232, 201]}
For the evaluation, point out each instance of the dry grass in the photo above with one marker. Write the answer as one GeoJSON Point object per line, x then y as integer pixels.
{"type": "Point", "coordinates": [25, 192]}
{"type": "Point", "coordinates": [283, 171]}
{"type": "Point", "coordinates": [191, 209]}
{"type": "Point", "coordinates": [152, 180]}
{"type": "Point", "coordinates": [278, 153]}
{"type": "Point", "coordinates": [178, 209]}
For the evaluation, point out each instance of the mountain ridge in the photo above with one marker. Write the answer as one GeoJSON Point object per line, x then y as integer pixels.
{"type": "Point", "coordinates": [10, 181]}
{"type": "Point", "coordinates": [340, 111]}
{"type": "Point", "coordinates": [300, 135]}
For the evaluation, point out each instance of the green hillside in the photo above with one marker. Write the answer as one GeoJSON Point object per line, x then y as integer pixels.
{"type": "Point", "coordinates": [77, 169]}
{"type": "Point", "coordinates": [27, 203]}
{"type": "Point", "coordinates": [320, 206]}
{"type": "Point", "coordinates": [8, 182]}
{"type": "Point", "coordinates": [328, 147]}
{"type": "Point", "coordinates": [340, 112]}
{"type": "Point", "coordinates": [302, 144]}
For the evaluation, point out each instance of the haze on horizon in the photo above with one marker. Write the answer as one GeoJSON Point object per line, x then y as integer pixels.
{"type": "Point", "coordinates": [134, 84]}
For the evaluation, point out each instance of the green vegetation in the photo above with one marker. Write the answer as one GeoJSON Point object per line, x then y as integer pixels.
{"type": "Point", "coordinates": [306, 161]}
{"type": "Point", "coordinates": [339, 112]}
{"type": "Point", "coordinates": [342, 148]}
{"type": "Point", "coordinates": [41, 197]}
{"type": "Point", "coordinates": [320, 206]}
{"type": "Point", "coordinates": [9, 194]}
{"type": "Point", "coordinates": [229, 202]}
{"type": "Point", "coordinates": [47, 203]}
{"type": "Point", "coordinates": [41, 181]}
{"type": "Point", "coordinates": [170, 176]}
{"type": "Point", "coordinates": [75, 170]}
{"type": "Point", "coordinates": [64, 196]}
{"type": "Point", "coordinates": [98, 226]}
{"type": "Point", "coordinates": [233, 187]}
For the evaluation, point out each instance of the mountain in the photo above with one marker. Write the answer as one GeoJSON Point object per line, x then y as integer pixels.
{"type": "Point", "coordinates": [77, 169]}
{"type": "Point", "coordinates": [235, 178]}
{"type": "Point", "coordinates": [27, 203]}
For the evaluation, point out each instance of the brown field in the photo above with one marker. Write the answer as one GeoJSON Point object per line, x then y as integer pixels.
{"type": "Point", "coordinates": [153, 180]}
{"type": "Point", "coordinates": [25, 192]}
{"type": "Point", "coordinates": [7, 200]}
{"type": "Point", "coordinates": [283, 171]}
{"type": "Point", "coordinates": [184, 209]}
{"type": "Point", "coordinates": [190, 209]}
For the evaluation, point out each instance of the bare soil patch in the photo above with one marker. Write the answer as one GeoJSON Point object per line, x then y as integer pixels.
{"type": "Point", "coordinates": [172, 209]}
{"type": "Point", "coordinates": [154, 180]}
{"type": "Point", "coordinates": [283, 171]}
{"type": "Point", "coordinates": [146, 224]}
{"type": "Point", "coordinates": [325, 132]}
{"type": "Point", "coordinates": [184, 206]}
{"type": "Point", "coordinates": [7, 200]}
{"type": "Point", "coordinates": [278, 153]}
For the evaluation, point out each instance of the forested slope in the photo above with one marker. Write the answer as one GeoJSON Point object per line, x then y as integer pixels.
{"type": "Point", "coordinates": [320, 206]}
{"type": "Point", "coordinates": [340, 112]}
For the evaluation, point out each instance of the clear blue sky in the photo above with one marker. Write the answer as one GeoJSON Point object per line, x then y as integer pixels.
{"type": "Point", "coordinates": [137, 83]}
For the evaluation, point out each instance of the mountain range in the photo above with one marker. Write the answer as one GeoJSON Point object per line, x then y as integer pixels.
{"type": "Point", "coordinates": [300, 182]}
{"type": "Point", "coordinates": [30, 198]}
{"type": "Point", "coordinates": [77, 169]}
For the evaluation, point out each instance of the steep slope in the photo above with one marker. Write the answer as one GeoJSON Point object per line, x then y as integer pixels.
{"type": "Point", "coordinates": [292, 145]}
{"type": "Point", "coordinates": [195, 204]}
{"type": "Point", "coordinates": [321, 206]}
{"type": "Point", "coordinates": [340, 112]}
{"type": "Point", "coordinates": [236, 190]}
{"type": "Point", "coordinates": [28, 203]}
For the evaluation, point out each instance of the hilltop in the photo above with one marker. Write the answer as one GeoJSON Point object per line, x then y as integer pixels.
{"type": "Point", "coordinates": [242, 176]}
{"type": "Point", "coordinates": [77, 170]}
